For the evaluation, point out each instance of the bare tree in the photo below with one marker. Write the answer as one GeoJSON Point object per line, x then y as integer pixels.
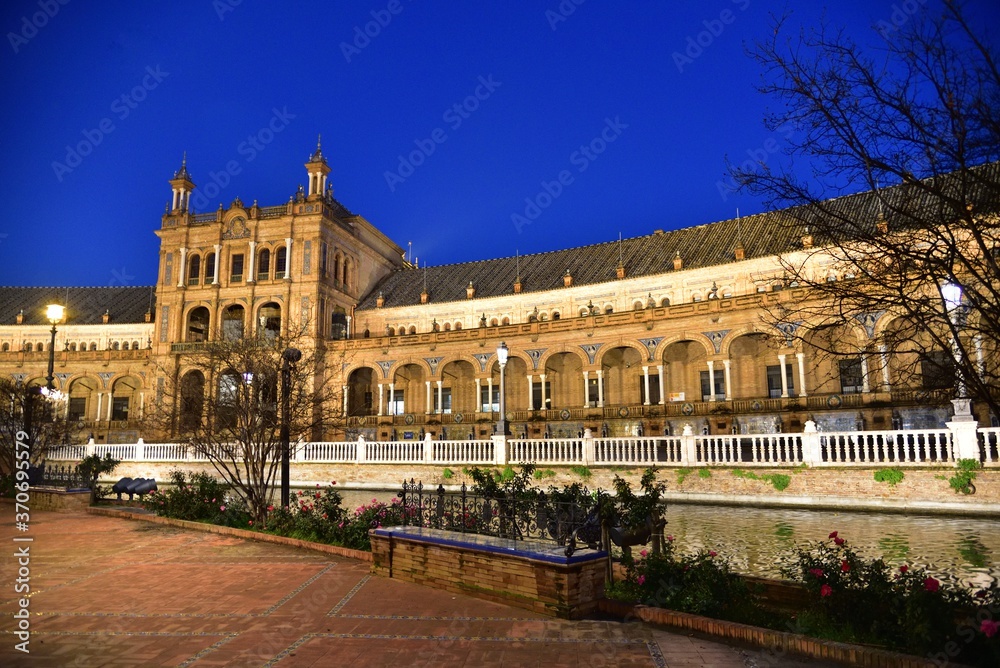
{"type": "Point", "coordinates": [224, 399]}
{"type": "Point", "coordinates": [915, 128]}
{"type": "Point", "coordinates": [29, 416]}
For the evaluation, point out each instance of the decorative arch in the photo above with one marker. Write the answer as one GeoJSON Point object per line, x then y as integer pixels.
{"type": "Point", "coordinates": [628, 343]}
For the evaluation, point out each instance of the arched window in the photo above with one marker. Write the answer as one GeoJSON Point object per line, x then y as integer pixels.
{"type": "Point", "coordinates": [233, 320]}
{"type": "Point", "coordinates": [192, 400]}
{"type": "Point", "coordinates": [114, 345]}
{"type": "Point", "coordinates": [555, 315]}
{"type": "Point", "coordinates": [367, 334]}
{"type": "Point", "coordinates": [458, 325]}
{"type": "Point", "coordinates": [126, 346]}
{"type": "Point", "coordinates": [609, 309]}
{"type": "Point", "coordinates": [338, 323]}
{"type": "Point", "coordinates": [280, 262]}
{"type": "Point", "coordinates": [447, 326]}
{"type": "Point", "coordinates": [93, 345]}
{"type": "Point", "coordinates": [210, 268]}
{"type": "Point", "coordinates": [264, 265]}
{"type": "Point", "coordinates": [389, 331]}
{"type": "Point", "coordinates": [505, 321]}
{"type": "Point", "coordinates": [336, 267]}
{"type": "Point", "coordinates": [135, 345]}
{"type": "Point", "coordinates": [413, 329]}
{"type": "Point", "coordinates": [194, 270]}
{"type": "Point", "coordinates": [269, 321]}
{"type": "Point", "coordinates": [6, 347]}
{"type": "Point", "coordinates": [197, 325]}
{"type": "Point", "coordinates": [40, 347]}
{"type": "Point", "coordinates": [347, 273]}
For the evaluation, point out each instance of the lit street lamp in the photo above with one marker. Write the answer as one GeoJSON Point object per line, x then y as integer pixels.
{"type": "Point", "coordinates": [503, 353]}
{"type": "Point", "coordinates": [288, 359]}
{"type": "Point", "coordinates": [54, 313]}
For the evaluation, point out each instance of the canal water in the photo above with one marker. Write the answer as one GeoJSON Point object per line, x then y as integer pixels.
{"type": "Point", "coordinates": [761, 541]}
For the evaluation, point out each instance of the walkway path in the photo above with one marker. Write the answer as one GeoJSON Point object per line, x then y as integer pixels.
{"type": "Point", "coordinates": [111, 592]}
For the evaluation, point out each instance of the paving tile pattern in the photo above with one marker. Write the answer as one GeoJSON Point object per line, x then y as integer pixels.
{"type": "Point", "coordinates": [107, 591]}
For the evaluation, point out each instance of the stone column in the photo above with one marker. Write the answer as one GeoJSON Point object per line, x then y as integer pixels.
{"type": "Point", "coordinates": [489, 391]}
{"type": "Point", "coordinates": [531, 392]}
{"type": "Point", "coordinates": [645, 384]}
{"type": "Point", "coordinates": [663, 394]}
{"type": "Point", "coordinates": [381, 392]}
{"type": "Point", "coordinates": [865, 386]}
{"type": "Point", "coordinates": [600, 388]}
{"type": "Point", "coordinates": [801, 358]}
{"type": "Point", "coordinates": [218, 261]}
{"type": "Point", "coordinates": [344, 398]}
{"type": "Point", "coordinates": [479, 395]}
{"type": "Point", "coordinates": [784, 378]}
{"type": "Point", "coordinates": [440, 402]}
{"type": "Point", "coordinates": [427, 399]}
{"type": "Point", "coordinates": [726, 364]}
{"type": "Point", "coordinates": [711, 380]}
{"type": "Point", "coordinates": [586, 389]}
{"type": "Point", "coordinates": [288, 257]}
{"type": "Point", "coordinates": [544, 405]}
{"type": "Point", "coordinates": [182, 268]}
{"type": "Point", "coordinates": [392, 398]}
{"type": "Point", "coordinates": [884, 359]}
{"type": "Point", "coordinates": [253, 256]}
{"type": "Point", "coordinates": [100, 396]}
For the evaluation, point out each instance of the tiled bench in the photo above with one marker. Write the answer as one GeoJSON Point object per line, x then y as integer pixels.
{"type": "Point", "coordinates": [531, 574]}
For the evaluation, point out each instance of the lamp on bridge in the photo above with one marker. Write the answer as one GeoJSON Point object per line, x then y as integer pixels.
{"type": "Point", "coordinates": [951, 293]}
{"type": "Point", "coordinates": [503, 353]}
{"type": "Point", "coordinates": [54, 313]}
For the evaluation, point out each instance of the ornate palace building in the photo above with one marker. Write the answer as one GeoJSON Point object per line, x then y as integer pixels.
{"type": "Point", "coordinates": [639, 336]}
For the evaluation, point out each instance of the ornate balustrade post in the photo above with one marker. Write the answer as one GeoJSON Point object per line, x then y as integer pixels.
{"type": "Point", "coordinates": [589, 449]}
{"type": "Point", "coordinates": [689, 453]}
{"type": "Point", "coordinates": [500, 449]}
{"type": "Point", "coordinates": [964, 431]}
{"type": "Point", "coordinates": [812, 451]}
{"type": "Point", "coordinates": [360, 453]}
{"type": "Point", "coordinates": [428, 448]}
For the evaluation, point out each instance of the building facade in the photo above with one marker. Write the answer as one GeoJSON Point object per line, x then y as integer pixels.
{"type": "Point", "coordinates": [639, 336]}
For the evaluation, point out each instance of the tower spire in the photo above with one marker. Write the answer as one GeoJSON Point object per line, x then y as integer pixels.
{"type": "Point", "coordinates": [317, 169]}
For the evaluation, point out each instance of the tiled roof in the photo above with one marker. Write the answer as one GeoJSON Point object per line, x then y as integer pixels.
{"type": "Point", "coordinates": [761, 235]}
{"type": "Point", "coordinates": [84, 306]}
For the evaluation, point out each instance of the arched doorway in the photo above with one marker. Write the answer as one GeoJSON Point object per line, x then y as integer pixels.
{"type": "Point", "coordinates": [233, 320]}
{"type": "Point", "coordinates": [192, 403]}
{"type": "Point", "coordinates": [361, 391]}
{"type": "Point", "coordinates": [269, 321]}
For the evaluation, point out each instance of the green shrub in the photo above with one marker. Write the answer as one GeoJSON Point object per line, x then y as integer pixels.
{"type": "Point", "coordinates": [447, 474]}
{"type": "Point", "coordinates": [892, 476]}
{"type": "Point", "coordinates": [543, 474]}
{"type": "Point", "coordinates": [582, 471]}
{"type": "Point", "coordinates": [704, 473]}
{"type": "Point", "coordinates": [779, 481]}
{"type": "Point", "coordinates": [681, 474]}
{"type": "Point", "coordinates": [198, 498]}
{"type": "Point", "coordinates": [962, 480]}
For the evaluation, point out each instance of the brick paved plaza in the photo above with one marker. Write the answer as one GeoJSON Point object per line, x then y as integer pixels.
{"type": "Point", "coordinates": [112, 592]}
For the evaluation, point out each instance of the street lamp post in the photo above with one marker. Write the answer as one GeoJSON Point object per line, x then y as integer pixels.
{"type": "Point", "coordinates": [503, 427]}
{"type": "Point", "coordinates": [54, 313]}
{"type": "Point", "coordinates": [288, 358]}
{"type": "Point", "coordinates": [951, 293]}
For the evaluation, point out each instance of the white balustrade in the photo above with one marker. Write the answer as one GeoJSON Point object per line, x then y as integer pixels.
{"type": "Point", "coordinates": [921, 447]}
{"type": "Point", "coordinates": [917, 447]}
{"type": "Point", "coordinates": [990, 446]}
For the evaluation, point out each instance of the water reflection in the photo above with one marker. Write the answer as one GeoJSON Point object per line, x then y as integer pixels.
{"type": "Point", "coordinates": [762, 541]}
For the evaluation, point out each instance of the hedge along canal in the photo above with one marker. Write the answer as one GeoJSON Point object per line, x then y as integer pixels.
{"type": "Point", "coordinates": [759, 541]}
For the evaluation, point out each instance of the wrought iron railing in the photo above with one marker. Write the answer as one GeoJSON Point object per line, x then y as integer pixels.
{"type": "Point", "coordinates": [536, 518]}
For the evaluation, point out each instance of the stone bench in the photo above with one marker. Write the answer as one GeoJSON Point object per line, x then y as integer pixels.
{"type": "Point", "coordinates": [530, 574]}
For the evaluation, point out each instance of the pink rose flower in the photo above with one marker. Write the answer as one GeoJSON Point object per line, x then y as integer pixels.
{"type": "Point", "coordinates": [222, 508]}
{"type": "Point", "coordinates": [825, 590]}
{"type": "Point", "coordinates": [643, 552]}
{"type": "Point", "coordinates": [904, 568]}
{"type": "Point", "coordinates": [844, 566]}
{"type": "Point", "coordinates": [839, 541]}
{"type": "Point", "coordinates": [833, 534]}
{"type": "Point", "coordinates": [816, 573]}
{"type": "Point", "coordinates": [713, 553]}
{"type": "Point", "coordinates": [642, 580]}
{"type": "Point", "coordinates": [670, 539]}
{"type": "Point", "coordinates": [930, 584]}
{"type": "Point", "coordinates": [989, 627]}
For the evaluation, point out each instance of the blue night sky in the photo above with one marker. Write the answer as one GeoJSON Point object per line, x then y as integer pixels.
{"type": "Point", "coordinates": [484, 103]}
